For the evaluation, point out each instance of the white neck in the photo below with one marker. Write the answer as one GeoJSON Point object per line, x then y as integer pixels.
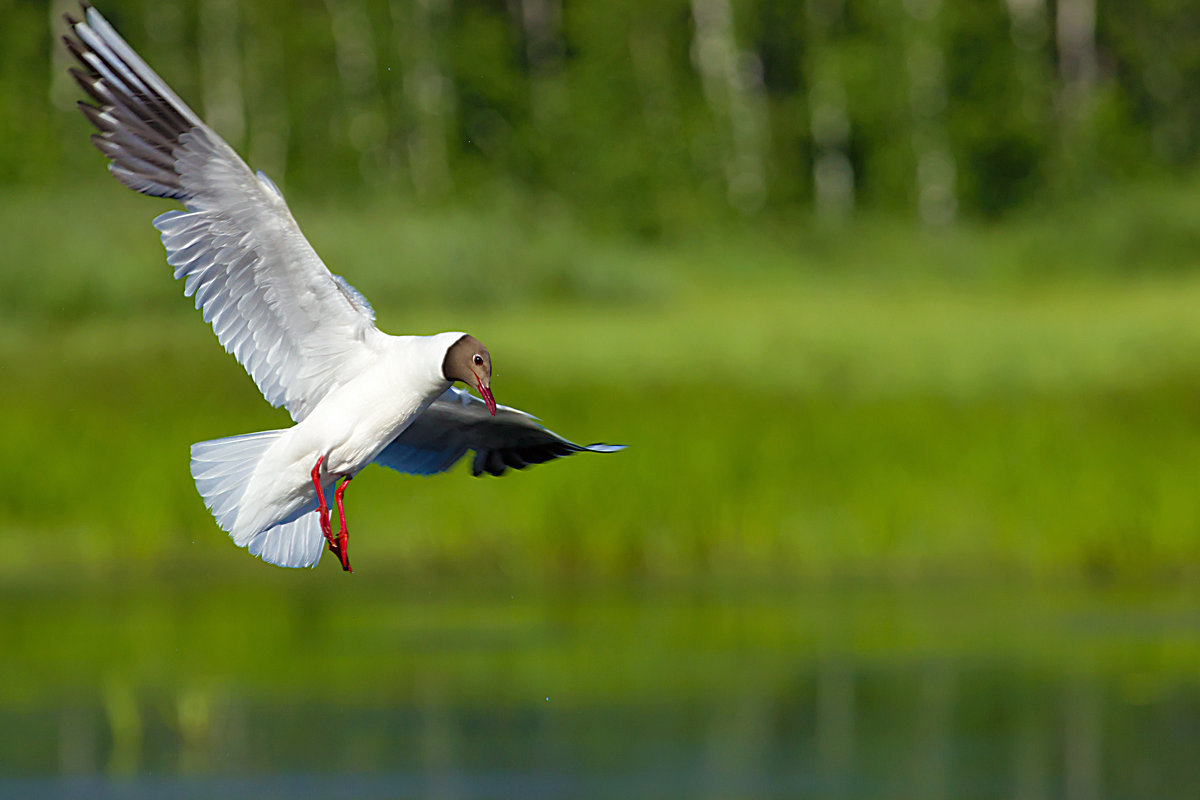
{"type": "Point", "coordinates": [420, 358]}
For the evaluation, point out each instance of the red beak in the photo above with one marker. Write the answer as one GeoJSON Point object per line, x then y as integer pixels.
{"type": "Point", "coordinates": [486, 391]}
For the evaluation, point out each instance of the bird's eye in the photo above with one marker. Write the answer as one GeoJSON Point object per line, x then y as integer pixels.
{"type": "Point", "coordinates": [478, 360]}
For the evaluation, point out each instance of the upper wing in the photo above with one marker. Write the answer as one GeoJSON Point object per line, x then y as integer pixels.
{"type": "Point", "coordinates": [299, 330]}
{"type": "Point", "coordinates": [458, 421]}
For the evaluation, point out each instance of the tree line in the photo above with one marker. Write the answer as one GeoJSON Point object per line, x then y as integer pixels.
{"type": "Point", "coordinates": [653, 115]}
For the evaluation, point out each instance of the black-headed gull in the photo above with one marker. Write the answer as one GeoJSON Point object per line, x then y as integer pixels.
{"type": "Point", "coordinates": [307, 338]}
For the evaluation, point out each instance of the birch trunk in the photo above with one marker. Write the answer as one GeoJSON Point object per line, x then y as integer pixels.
{"type": "Point", "coordinates": [936, 171]}
{"type": "Point", "coordinates": [829, 120]}
{"type": "Point", "coordinates": [1075, 36]}
{"type": "Point", "coordinates": [1029, 30]}
{"type": "Point", "coordinates": [425, 98]}
{"type": "Point", "coordinates": [541, 22]}
{"type": "Point", "coordinates": [732, 85]}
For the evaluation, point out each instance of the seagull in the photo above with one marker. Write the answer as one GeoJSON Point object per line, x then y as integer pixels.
{"type": "Point", "coordinates": [308, 339]}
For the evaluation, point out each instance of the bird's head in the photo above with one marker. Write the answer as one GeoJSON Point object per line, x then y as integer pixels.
{"type": "Point", "coordinates": [467, 360]}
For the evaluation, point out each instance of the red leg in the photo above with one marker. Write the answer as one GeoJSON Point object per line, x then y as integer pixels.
{"type": "Point", "coordinates": [323, 508]}
{"type": "Point", "coordinates": [344, 535]}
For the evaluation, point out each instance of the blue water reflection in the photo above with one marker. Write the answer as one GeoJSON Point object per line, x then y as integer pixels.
{"type": "Point", "coordinates": [285, 689]}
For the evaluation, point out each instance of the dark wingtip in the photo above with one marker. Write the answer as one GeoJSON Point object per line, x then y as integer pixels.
{"type": "Point", "coordinates": [91, 112]}
{"type": "Point", "coordinates": [497, 462]}
{"type": "Point", "coordinates": [87, 83]}
{"type": "Point", "coordinates": [75, 46]}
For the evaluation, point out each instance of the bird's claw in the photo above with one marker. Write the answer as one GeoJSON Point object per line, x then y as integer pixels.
{"type": "Point", "coordinates": [339, 548]}
{"type": "Point", "coordinates": [343, 538]}
{"type": "Point", "coordinates": [338, 545]}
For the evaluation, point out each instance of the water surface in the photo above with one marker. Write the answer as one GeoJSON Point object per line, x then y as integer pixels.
{"type": "Point", "coordinates": [276, 687]}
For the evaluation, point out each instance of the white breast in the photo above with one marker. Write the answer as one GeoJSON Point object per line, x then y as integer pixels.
{"type": "Point", "coordinates": [347, 429]}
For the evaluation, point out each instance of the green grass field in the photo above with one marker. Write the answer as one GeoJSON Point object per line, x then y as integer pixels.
{"type": "Point", "coordinates": [1019, 400]}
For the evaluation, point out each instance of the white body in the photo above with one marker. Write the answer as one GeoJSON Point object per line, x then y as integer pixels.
{"type": "Point", "coordinates": [346, 429]}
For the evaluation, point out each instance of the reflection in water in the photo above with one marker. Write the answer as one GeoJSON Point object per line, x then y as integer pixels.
{"type": "Point", "coordinates": [1082, 740]}
{"type": "Point", "coordinates": [835, 720]}
{"type": "Point", "coordinates": [161, 692]}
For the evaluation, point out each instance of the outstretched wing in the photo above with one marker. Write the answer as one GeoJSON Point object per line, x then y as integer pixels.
{"type": "Point", "coordinates": [299, 330]}
{"type": "Point", "coordinates": [458, 421]}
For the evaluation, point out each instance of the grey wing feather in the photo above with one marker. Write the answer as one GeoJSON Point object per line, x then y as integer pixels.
{"type": "Point", "coordinates": [299, 330]}
{"type": "Point", "coordinates": [458, 421]}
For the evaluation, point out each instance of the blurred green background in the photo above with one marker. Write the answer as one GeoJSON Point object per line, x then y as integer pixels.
{"type": "Point", "coordinates": [894, 302]}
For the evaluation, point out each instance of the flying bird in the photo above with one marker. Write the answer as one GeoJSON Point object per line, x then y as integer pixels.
{"type": "Point", "coordinates": [357, 395]}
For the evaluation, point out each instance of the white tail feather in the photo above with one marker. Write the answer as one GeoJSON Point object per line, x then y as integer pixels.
{"type": "Point", "coordinates": [222, 469]}
{"type": "Point", "coordinates": [298, 543]}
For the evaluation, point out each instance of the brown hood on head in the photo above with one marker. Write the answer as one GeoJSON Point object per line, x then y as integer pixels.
{"type": "Point", "coordinates": [469, 361]}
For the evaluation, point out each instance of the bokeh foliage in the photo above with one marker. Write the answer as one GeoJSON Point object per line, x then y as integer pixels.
{"type": "Point", "coordinates": [652, 116]}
